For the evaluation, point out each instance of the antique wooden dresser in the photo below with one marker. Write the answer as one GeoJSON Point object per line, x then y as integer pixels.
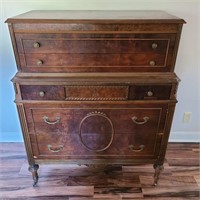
{"type": "Point", "coordinates": [95, 87]}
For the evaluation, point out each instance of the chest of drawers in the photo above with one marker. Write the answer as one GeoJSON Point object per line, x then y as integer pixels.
{"type": "Point", "coordinates": [95, 87]}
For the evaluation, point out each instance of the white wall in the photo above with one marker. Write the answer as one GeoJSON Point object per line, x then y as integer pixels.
{"type": "Point", "coordinates": [187, 65]}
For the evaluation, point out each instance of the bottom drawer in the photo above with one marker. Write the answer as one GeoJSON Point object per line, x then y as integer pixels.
{"type": "Point", "coordinates": [121, 131]}
{"type": "Point", "coordinates": [70, 146]}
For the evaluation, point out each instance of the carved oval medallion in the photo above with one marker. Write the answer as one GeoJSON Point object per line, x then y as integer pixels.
{"type": "Point", "coordinates": [96, 131]}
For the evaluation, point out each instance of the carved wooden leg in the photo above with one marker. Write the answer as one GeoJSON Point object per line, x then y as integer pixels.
{"type": "Point", "coordinates": [33, 169]}
{"type": "Point", "coordinates": [158, 169]}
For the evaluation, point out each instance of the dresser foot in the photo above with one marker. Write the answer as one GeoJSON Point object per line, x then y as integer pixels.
{"type": "Point", "coordinates": [33, 169]}
{"type": "Point", "coordinates": [158, 169]}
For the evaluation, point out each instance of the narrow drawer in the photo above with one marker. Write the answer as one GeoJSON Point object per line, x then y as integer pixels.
{"type": "Point", "coordinates": [150, 92]}
{"type": "Point", "coordinates": [43, 92]}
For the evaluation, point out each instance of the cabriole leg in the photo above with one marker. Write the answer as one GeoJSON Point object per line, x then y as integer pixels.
{"type": "Point", "coordinates": [158, 169]}
{"type": "Point", "coordinates": [33, 169]}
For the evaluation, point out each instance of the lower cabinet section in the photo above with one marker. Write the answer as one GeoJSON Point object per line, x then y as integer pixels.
{"type": "Point", "coordinates": [105, 119]}
{"type": "Point", "coordinates": [89, 133]}
{"type": "Point", "coordinates": [71, 131]}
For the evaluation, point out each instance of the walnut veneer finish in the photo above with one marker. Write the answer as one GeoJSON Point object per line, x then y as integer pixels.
{"type": "Point", "coordinates": [95, 87]}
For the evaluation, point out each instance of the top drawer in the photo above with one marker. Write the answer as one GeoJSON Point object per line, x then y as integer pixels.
{"type": "Point", "coordinates": [95, 41]}
{"type": "Point", "coordinates": [95, 52]}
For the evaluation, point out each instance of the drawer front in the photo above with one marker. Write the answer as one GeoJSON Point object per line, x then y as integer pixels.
{"type": "Point", "coordinates": [94, 60]}
{"type": "Point", "coordinates": [84, 132]}
{"type": "Point", "coordinates": [94, 45]}
{"type": "Point", "coordinates": [150, 92]}
{"type": "Point", "coordinates": [42, 92]}
{"type": "Point", "coordinates": [95, 52]}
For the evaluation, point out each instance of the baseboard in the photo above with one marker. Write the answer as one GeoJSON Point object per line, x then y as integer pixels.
{"type": "Point", "coordinates": [183, 136]}
{"type": "Point", "coordinates": [175, 136]}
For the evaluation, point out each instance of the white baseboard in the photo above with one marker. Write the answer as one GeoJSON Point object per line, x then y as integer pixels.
{"type": "Point", "coordinates": [175, 136]}
{"type": "Point", "coordinates": [181, 136]}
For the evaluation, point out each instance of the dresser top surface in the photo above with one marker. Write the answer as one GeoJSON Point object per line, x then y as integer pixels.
{"type": "Point", "coordinates": [54, 16]}
{"type": "Point", "coordinates": [158, 78]}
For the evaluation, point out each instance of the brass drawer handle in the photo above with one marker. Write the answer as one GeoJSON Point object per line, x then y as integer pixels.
{"type": "Point", "coordinates": [136, 149]}
{"type": "Point", "coordinates": [145, 120]}
{"type": "Point", "coordinates": [152, 63]}
{"type": "Point", "coordinates": [55, 150]}
{"type": "Point", "coordinates": [154, 46]}
{"type": "Point", "coordinates": [36, 44]}
{"type": "Point", "coordinates": [46, 120]}
{"type": "Point", "coordinates": [41, 93]}
{"type": "Point", "coordinates": [39, 62]}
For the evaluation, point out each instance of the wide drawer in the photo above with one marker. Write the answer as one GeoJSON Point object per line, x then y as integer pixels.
{"type": "Point", "coordinates": [68, 120]}
{"type": "Point", "coordinates": [93, 60]}
{"type": "Point", "coordinates": [100, 45]}
{"type": "Point", "coordinates": [95, 52]}
{"type": "Point", "coordinates": [70, 146]}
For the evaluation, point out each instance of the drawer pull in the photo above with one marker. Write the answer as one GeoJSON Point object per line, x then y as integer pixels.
{"type": "Point", "coordinates": [36, 44]}
{"type": "Point", "coordinates": [56, 149]}
{"type": "Point", "coordinates": [46, 120]}
{"type": "Point", "coordinates": [41, 93]}
{"type": "Point", "coordinates": [39, 62]}
{"type": "Point", "coordinates": [149, 93]}
{"type": "Point", "coordinates": [154, 45]}
{"type": "Point", "coordinates": [145, 120]}
{"type": "Point", "coordinates": [152, 63]}
{"type": "Point", "coordinates": [136, 149]}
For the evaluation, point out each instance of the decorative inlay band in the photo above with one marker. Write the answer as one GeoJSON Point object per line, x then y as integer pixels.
{"type": "Point", "coordinates": [95, 93]}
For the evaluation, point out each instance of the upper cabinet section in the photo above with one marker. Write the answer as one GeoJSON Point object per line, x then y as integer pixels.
{"type": "Point", "coordinates": [95, 41]}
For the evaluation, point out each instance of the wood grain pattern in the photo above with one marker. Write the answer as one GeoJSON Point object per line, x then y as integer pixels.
{"type": "Point", "coordinates": [73, 182]}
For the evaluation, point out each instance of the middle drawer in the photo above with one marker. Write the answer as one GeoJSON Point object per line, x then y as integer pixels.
{"type": "Point", "coordinates": [95, 93]}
